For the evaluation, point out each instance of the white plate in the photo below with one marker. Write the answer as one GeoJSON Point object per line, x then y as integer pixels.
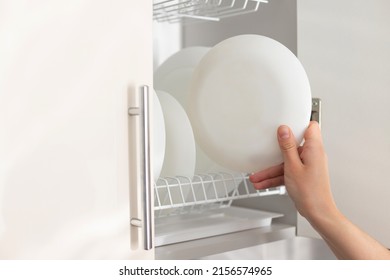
{"type": "Point", "coordinates": [158, 137]}
{"type": "Point", "coordinates": [174, 75]}
{"type": "Point", "coordinates": [241, 91]}
{"type": "Point", "coordinates": [185, 58]}
{"type": "Point", "coordinates": [180, 152]}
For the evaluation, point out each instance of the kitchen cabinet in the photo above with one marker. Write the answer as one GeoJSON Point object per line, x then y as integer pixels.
{"type": "Point", "coordinates": [69, 151]}
{"type": "Point", "coordinates": [69, 71]}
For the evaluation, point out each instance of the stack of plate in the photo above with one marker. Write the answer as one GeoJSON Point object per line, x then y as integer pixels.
{"type": "Point", "coordinates": [235, 94]}
{"type": "Point", "coordinates": [173, 78]}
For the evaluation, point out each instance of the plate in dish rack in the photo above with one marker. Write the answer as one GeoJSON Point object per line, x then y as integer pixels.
{"type": "Point", "coordinates": [175, 73]}
{"type": "Point", "coordinates": [241, 91]}
{"type": "Point", "coordinates": [180, 152]}
{"type": "Point", "coordinates": [174, 76]}
{"type": "Point", "coordinates": [158, 137]}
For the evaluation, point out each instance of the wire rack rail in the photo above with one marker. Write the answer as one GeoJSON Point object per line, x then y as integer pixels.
{"type": "Point", "coordinates": [188, 11]}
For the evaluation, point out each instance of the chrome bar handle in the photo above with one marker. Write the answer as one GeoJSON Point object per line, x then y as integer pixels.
{"type": "Point", "coordinates": [316, 110]}
{"type": "Point", "coordinates": [147, 177]}
{"type": "Point", "coordinates": [146, 222]}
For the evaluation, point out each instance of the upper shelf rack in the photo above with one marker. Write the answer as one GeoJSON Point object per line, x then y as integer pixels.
{"type": "Point", "coordinates": [188, 11]}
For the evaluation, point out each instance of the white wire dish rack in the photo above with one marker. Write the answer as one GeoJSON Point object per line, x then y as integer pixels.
{"type": "Point", "coordinates": [187, 11]}
{"type": "Point", "coordinates": [199, 207]}
{"type": "Point", "coordinates": [180, 195]}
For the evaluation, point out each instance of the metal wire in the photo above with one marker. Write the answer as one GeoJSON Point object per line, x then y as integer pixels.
{"type": "Point", "coordinates": [177, 195]}
{"type": "Point", "coordinates": [188, 11]}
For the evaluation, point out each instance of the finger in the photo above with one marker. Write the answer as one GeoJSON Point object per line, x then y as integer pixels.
{"type": "Point", "coordinates": [268, 173]}
{"type": "Point", "coordinates": [313, 144]}
{"type": "Point", "coordinates": [288, 146]}
{"type": "Point", "coordinates": [269, 183]}
{"type": "Point", "coordinates": [313, 132]}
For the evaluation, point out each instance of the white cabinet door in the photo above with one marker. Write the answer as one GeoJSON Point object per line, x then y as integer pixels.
{"type": "Point", "coordinates": [68, 72]}
{"type": "Point", "coordinates": [344, 47]}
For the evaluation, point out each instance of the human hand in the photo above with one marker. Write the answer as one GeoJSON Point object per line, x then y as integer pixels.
{"type": "Point", "coordinates": [305, 175]}
{"type": "Point", "coordinates": [304, 172]}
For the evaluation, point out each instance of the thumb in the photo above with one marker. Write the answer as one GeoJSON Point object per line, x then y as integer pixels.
{"type": "Point", "coordinates": [288, 146]}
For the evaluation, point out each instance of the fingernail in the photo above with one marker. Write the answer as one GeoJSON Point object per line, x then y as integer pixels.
{"type": "Point", "coordinates": [283, 132]}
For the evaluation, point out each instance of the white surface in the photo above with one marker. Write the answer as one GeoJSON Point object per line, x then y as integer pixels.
{"type": "Point", "coordinates": [180, 154]}
{"type": "Point", "coordinates": [201, 248]}
{"type": "Point", "coordinates": [297, 248]}
{"type": "Point", "coordinates": [344, 47]}
{"type": "Point", "coordinates": [65, 72]}
{"type": "Point", "coordinates": [86, 237]}
{"type": "Point", "coordinates": [173, 229]}
{"type": "Point", "coordinates": [158, 136]}
{"type": "Point", "coordinates": [242, 90]}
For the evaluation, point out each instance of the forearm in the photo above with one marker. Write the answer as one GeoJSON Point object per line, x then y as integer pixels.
{"type": "Point", "coordinates": [345, 239]}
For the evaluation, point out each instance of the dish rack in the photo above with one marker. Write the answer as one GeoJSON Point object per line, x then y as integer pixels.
{"type": "Point", "coordinates": [187, 11]}
{"type": "Point", "coordinates": [181, 195]}
{"type": "Point", "coordinates": [200, 207]}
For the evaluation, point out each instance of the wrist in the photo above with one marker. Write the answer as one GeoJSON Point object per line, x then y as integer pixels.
{"type": "Point", "coordinates": [326, 218]}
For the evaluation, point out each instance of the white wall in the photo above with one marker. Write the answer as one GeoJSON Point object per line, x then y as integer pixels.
{"type": "Point", "coordinates": [345, 49]}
